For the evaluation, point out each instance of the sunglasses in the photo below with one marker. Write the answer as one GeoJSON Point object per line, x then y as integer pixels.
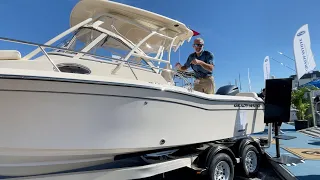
{"type": "Point", "coordinates": [198, 45]}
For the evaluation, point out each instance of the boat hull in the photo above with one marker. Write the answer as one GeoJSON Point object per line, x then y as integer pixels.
{"type": "Point", "coordinates": [68, 125]}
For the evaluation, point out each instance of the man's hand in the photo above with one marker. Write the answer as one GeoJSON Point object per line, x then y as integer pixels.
{"type": "Point", "coordinates": [208, 67]}
{"type": "Point", "coordinates": [196, 61]}
{"type": "Point", "coordinates": [178, 65]}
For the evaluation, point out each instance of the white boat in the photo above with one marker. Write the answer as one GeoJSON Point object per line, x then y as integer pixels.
{"type": "Point", "coordinates": [107, 91]}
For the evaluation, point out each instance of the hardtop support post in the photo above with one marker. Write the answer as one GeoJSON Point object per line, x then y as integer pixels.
{"type": "Point", "coordinates": [132, 51]}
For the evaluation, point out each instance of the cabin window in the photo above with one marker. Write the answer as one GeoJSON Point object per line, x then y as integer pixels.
{"type": "Point", "coordinates": [116, 50]}
{"type": "Point", "coordinates": [73, 68]}
{"type": "Point", "coordinates": [110, 48]}
{"type": "Point", "coordinates": [79, 40]}
{"type": "Point", "coordinates": [82, 38]}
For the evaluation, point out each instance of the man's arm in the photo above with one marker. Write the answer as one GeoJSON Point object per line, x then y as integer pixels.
{"type": "Point", "coordinates": [185, 66]}
{"type": "Point", "coordinates": [207, 66]}
{"type": "Point", "coordinates": [180, 67]}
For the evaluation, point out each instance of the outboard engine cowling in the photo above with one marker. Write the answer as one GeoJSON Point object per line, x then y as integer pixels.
{"type": "Point", "coordinates": [230, 90]}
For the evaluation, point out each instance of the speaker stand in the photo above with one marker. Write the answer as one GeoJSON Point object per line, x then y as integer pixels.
{"type": "Point", "coordinates": [283, 159]}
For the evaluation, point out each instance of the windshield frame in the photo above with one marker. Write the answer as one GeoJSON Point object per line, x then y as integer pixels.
{"type": "Point", "coordinates": [87, 55]}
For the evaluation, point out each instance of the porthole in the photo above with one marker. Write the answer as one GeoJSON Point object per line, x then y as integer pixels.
{"type": "Point", "coordinates": [73, 68]}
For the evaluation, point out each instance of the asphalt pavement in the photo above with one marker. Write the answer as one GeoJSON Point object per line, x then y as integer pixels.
{"type": "Point", "coordinates": [266, 173]}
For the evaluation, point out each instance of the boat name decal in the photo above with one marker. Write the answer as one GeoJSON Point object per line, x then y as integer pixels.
{"type": "Point", "coordinates": [246, 105]}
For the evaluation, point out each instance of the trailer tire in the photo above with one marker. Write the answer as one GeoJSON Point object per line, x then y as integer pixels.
{"type": "Point", "coordinates": [220, 165]}
{"type": "Point", "coordinates": [250, 161]}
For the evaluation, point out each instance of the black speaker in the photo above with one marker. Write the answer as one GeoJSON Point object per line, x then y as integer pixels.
{"type": "Point", "coordinates": [278, 100]}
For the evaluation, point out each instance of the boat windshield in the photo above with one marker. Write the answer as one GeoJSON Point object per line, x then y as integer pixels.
{"type": "Point", "coordinates": [109, 48]}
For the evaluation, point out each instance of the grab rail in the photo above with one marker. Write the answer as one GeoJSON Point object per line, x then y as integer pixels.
{"type": "Point", "coordinates": [45, 53]}
{"type": "Point", "coordinates": [57, 48]}
{"type": "Point", "coordinates": [42, 46]}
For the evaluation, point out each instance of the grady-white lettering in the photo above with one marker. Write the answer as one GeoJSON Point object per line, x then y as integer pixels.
{"type": "Point", "coordinates": [246, 105]}
{"type": "Point", "coordinates": [303, 52]}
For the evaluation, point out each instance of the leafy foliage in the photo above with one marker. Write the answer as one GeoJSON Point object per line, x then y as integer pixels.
{"type": "Point", "coordinates": [300, 102]}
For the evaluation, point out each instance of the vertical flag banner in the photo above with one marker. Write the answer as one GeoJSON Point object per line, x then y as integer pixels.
{"type": "Point", "coordinates": [302, 52]}
{"type": "Point", "coordinates": [266, 68]}
{"type": "Point", "coordinates": [239, 81]}
{"type": "Point", "coordinates": [249, 81]}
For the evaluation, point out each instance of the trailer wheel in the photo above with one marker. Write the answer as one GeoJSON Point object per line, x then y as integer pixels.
{"type": "Point", "coordinates": [220, 167]}
{"type": "Point", "coordinates": [250, 161]}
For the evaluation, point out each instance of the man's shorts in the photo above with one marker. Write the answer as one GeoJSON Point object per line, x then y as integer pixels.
{"type": "Point", "coordinates": [205, 85]}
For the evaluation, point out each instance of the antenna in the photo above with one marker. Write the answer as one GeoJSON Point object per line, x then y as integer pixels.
{"type": "Point", "coordinates": [283, 64]}
{"type": "Point", "coordinates": [249, 81]}
{"type": "Point", "coordinates": [179, 55]}
{"type": "Point", "coordinates": [239, 82]}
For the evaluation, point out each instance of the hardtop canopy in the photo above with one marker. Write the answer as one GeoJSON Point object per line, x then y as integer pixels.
{"type": "Point", "coordinates": [132, 23]}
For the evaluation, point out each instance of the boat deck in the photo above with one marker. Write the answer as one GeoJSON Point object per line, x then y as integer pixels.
{"type": "Point", "coordinates": [306, 145]}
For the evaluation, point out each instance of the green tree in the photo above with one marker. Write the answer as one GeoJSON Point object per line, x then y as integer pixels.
{"type": "Point", "coordinates": [300, 102]}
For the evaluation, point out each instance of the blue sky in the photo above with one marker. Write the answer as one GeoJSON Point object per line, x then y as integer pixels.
{"type": "Point", "coordinates": [239, 33]}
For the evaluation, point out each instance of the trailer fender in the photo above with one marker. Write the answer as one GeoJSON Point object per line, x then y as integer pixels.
{"type": "Point", "coordinates": [246, 141]}
{"type": "Point", "coordinates": [203, 160]}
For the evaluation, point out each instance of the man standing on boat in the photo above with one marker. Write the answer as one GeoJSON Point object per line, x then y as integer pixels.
{"type": "Point", "coordinates": [201, 61]}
